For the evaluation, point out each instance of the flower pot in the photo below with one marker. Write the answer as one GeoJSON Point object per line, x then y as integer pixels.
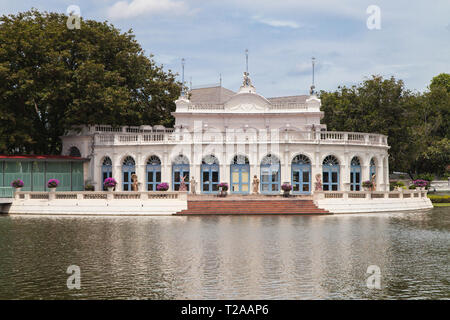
{"type": "Point", "coordinates": [51, 189]}
{"type": "Point", "coordinates": [223, 193]}
{"type": "Point", "coordinates": [286, 194]}
{"type": "Point", "coordinates": [110, 189]}
{"type": "Point", "coordinates": [17, 189]}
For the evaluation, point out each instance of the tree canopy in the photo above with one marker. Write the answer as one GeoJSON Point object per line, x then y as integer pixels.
{"type": "Point", "coordinates": [53, 78]}
{"type": "Point", "coordinates": [417, 125]}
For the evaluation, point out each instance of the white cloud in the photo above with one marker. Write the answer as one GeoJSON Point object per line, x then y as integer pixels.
{"type": "Point", "coordinates": [276, 23]}
{"type": "Point", "coordinates": [125, 9]}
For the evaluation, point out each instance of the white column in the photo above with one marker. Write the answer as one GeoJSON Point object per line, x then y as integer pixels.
{"type": "Point", "coordinates": [141, 172]}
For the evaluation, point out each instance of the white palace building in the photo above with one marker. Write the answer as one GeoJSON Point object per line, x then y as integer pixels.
{"type": "Point", "coordinates": [226, 136]}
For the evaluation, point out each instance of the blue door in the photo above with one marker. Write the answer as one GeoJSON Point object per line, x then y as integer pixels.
{"type": "Point", "coordinates": [270, 174]}
{"type": "Point", "coordinates": [240, 178]}
{"type": "Point", "coordinates": [330, 171]}
{"type": "Point", "coordinates": [128, 169]}
{"type": "Point", "coordinates": [210, 178]}
{"type": "Point", "coordinates": [270, 178]}
{"type": "Point", "coordinates": [355, 175]}
{"type": "Point", "coordinates": [153, 170]}
{"type": "Point", "coordinates": [106, 170]}
{"type": "Point", "coordinates": [178, 171]}
{"type": "Point", "coordinates": [301, 174]}
{"type": "Point", "coordinates": [153, 176]}
{"type": "Point", "coordinates": [301, 178]}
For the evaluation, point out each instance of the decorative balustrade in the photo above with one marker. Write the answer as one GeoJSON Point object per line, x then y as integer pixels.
{"type": "Point", "coordinates": [99, 195]}
{"type": "Point", "coordinates": [406, 194]}
{"type": "Point", "coordinates": [322, 137]}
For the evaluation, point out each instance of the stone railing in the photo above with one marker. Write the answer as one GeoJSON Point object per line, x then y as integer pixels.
{"type": "Point", "coordinates": [288, 106]}
{"type": "Point", "coordinates": [405, 194]}
{"type": "Point", "coordinates": [205, 107]}
{"type": "Point", "coordinates": [276, 106]}
{"type": "Point", "coordinates": [314, 137]}
{"type": "Point", "coordinates": [98, 195]}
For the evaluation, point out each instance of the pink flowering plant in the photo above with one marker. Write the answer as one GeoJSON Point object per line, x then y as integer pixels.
{"type": "Point", "coordinates": [53, 183]}
{"type": "Point", "coordinates": [367, 184]}
{"type": "Point", "coordinates": [17, 183]}
{"type": "Point", "coordinates": [421, 183]}
{"type": "Point", "coordinates": [109, 183]}
{"type": "Point", "coordinates": [164, 186]}
{"type": "Point", "coordinates": [286, 187]}
{"type": "Point", "coordinates": [223, 186]}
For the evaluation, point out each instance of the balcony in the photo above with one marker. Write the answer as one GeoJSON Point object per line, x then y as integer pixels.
{"type": "Point", "coordinates": [240, 136]}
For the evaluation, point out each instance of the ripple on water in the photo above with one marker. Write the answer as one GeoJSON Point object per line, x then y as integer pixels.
{"type": "Point", "coordinates": [291, 257]}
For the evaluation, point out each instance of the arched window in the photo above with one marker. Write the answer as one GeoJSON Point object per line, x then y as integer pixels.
{"type": "Point", "coordinates": [355, 174]}
{"type": "Point", "coordinates": [210, 174]}
{"type": "Point", "coordinates": [270, 174]}
{"type": "Point", "coordinates": [74, 152]}
{"type": "Point", "coordinates": [106, 170]}
{"type": "Point", "coordinates": [330, 171]}
{"type": "Point", "coordinates": [153, 170]}
{"type": "Point", "coordinates": [301, 174]}
{"type": "Point", "coordinates": [128, 169]}
{"type": "Point", "coordinates": [240, 159]}
{"type": "Point", "coordinates": [373, 168]}
{"type": "Point", "coordinates": [180, 168]}
{"type": "Point", "coordinates": [240, 174]}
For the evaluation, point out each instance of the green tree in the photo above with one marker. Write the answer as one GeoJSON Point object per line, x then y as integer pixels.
{"type": "Point", "coordinates": [53, 78]}
{"type": "Point", "coordinates": [376, 105]}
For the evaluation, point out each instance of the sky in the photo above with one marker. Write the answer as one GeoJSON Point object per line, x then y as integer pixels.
{"type": "Point", "coordinates": [412, 42]}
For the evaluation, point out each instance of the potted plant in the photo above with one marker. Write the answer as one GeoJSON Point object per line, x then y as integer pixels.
{"type": "Point", "coordinates": [286, 187]}
{"type": "Point", "coordinates": [17, 184]}
{"type": "Point", "coordinates": [367, 185]}
{"type": "Point", "coordinates": [421, 184]}
{"type": "Point", "coordinates": [164, 186]}
{"type": "Point", "coordinates": [110, 184]}
{"type": "Point", "coordinates": [223, 187]}
{"type": "Point", "coordinates": [399, 186]}
{"type": "Point", "coordinates": [89, 187]}
{"type": "Point", "coordinates": [52, 184]}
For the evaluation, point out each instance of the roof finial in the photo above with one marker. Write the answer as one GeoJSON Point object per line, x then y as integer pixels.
{"type": "Point", "coordinates": [246, 61]}
{"type": "Point", "coordinates": [220, 79]}
{"type": "Point", "coordinates": [182, 77]}
{"type": "Point", "coordinates": [312, 91]}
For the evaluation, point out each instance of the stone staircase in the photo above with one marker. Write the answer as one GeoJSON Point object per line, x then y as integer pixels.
{"type": "Point", "coordinates": [249, 207]}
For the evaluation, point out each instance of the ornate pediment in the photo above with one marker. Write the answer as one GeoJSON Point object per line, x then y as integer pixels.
{"type": "Point", "coordinates": [247, 103]}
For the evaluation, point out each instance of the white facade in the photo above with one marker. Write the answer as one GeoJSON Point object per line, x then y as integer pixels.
{"type": "Point", "coordinates": [216, 121]}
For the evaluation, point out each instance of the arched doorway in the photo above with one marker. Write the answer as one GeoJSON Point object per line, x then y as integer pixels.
{"type": "Point", "coordinates": [210, 174]}
{"type": "Point", "coordinates": [74, 152]}
{"type": "Point", "coordinates": [301, 174]}
{"type": "Point", "coordinates": [270, 174]}
{"type": "Point", "coordinates": [373, 168]}
{"type": "Point", "coordinates": [240, 174]}
{"type": "Point", "coordinates": [106, 170]}
{"type": "Point", "coordinates": [153, 170]}
{"type": "Point", "coordinates": [180, 168]}
{"type": "Point", "coordinates": [128, 169]}
{"type": "Point", "coordinates": [355, 174]}
{"type": "Point", "coordinates": [330, 173]}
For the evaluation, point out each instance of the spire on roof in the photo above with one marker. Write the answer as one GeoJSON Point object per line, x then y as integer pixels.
{"type": "Point", "coordinates": [182, 77]}
{"type": "Point", "coordinates": [247, 82]}
{"type": "Point", "coordinates": [312, 91]}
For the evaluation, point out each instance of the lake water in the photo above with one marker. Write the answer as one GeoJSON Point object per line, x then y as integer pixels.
{"type": "Point", "coordinates": [228, 257]}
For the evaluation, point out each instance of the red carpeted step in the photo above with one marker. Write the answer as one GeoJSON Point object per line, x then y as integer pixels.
{"type": "Point", "coordinates": [242, 207]}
